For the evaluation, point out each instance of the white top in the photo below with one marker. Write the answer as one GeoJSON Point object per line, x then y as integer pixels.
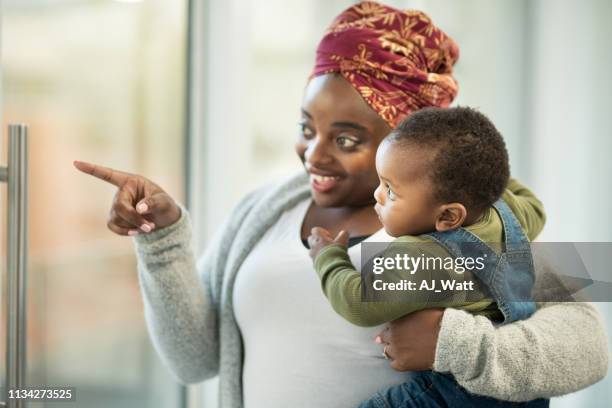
{"type": "Point", "coordinates": [298, 351]}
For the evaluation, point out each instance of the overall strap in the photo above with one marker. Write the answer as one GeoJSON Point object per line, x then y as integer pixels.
{"type": "Point", "coordinates": [514, 237]}
{"type": "Point", "coordinates": [508, 275]}
{"type": "Point", "coordinates": [462, 243]}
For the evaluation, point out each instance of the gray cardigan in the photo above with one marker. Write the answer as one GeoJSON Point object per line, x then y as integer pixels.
{"type": "Point", "coordinates": [189, 313]}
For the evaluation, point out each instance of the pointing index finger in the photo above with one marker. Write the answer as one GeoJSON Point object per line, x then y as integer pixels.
{"type": "Point", "coordinates": [107, 174]}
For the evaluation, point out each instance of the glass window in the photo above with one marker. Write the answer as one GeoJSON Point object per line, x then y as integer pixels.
{"type": "Point", "coordinates": [100, 81]}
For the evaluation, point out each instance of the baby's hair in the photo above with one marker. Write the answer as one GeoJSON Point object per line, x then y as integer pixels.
{"type": "Point", "coordinates": [470, 163]}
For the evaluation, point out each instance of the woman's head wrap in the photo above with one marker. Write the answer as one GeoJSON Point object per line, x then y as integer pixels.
{"type": "Point", "coordinates": [397, 60]}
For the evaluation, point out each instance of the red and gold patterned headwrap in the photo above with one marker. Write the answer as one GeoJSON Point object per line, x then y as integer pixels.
{"type": "Point", "coordinates": [397, 60]}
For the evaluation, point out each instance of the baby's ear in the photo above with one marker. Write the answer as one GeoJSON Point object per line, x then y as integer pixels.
{"type": "Point", "coordinates": [450, 216]}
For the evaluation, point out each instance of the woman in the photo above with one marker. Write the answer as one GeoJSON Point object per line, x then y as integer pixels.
{"type": "Point", "coordinates": [252, 311]}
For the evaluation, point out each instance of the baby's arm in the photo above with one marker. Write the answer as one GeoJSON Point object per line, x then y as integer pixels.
{"type": "Point", "coordinates": [342, 283]}
{"type": "Point", "coordinates": [527, 208]}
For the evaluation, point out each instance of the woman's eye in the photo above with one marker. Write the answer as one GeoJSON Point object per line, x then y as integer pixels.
{"type": "Point", "coordinates": [305, 131]}
{"type": "Point", "coordinates": [390, 194]}
{"type": "Point", "coordinates": [347, 142]}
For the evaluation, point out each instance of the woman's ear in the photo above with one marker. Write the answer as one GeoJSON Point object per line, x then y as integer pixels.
{"type": "Point", "coordinates": [451, 216]}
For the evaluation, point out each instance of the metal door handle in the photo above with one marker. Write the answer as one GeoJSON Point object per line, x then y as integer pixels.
{"type": "Point", "coordinates": [16, 175]}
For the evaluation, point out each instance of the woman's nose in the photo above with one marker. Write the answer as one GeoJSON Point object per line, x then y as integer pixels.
{"type": "Point", "coordinates": [317, 153]}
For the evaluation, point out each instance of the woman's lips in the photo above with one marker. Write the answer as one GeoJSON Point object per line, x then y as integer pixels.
{"type": "Point", "coordinates": [323, 184]}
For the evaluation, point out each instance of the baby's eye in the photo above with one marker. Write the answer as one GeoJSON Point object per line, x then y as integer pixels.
{"type": "Point", "coordinates": [347, 142]}
{"type": "Point", "coordinates": [305, 131]}
{"type": "Point", "coordinates": [390, 194]}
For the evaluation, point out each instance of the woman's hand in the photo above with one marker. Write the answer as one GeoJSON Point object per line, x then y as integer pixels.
{"type": "Point", "coordinates": [139, 204]}
{"type": "Point", "coordinates": [410, 341]}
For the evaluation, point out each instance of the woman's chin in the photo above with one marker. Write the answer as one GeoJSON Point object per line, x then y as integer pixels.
{"type": "Point", "coordinates": [338, 199]}
{"type": "Point", "coordinates": [327, 199]}
{"type": "Point", "coordinates": [334, 198]}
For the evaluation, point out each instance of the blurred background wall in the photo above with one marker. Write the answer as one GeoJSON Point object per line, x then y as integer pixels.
{"type": "Point", "coordinates": [539, 68]}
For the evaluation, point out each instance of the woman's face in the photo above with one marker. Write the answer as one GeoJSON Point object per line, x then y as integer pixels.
{"type": "Point", "coordinates": [339, 135]}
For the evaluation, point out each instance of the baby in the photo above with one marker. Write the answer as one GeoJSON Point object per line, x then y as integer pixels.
{"type": "Point", "coordinates": [444, 192]}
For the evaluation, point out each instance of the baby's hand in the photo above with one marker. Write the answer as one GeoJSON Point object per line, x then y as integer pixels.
{"type": "Point", "coordinates": [320, 238]}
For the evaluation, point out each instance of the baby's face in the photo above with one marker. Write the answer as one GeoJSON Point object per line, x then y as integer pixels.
{"type": "Point", "coordinates": [404, 198]}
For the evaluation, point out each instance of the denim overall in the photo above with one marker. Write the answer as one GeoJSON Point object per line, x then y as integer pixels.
{"type": "Point", "coordinates": [509, 278]}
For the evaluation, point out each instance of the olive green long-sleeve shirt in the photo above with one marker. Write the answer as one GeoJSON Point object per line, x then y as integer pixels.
{"type": "Point", "coordinates": [342, 283]}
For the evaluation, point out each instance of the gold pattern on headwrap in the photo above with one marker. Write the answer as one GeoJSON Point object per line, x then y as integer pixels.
{"type": "Point", "coordinates": [399, 61]}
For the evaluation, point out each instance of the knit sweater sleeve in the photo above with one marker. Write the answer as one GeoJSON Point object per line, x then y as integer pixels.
{"type": "Point", "coordinates": [181, 299]}
{"type": "Point", "coordinates": [560, 349]}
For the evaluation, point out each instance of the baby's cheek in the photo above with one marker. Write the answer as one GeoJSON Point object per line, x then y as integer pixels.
{"type": "Point", "coordinates": [387, 219]}
{"type": "Point", "coordinates": [399, 222]}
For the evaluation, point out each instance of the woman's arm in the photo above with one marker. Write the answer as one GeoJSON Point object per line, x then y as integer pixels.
{"type": "Point", "coordinates": [181, 301]}
{"type": "Point", "coordinates": [561, 349]}
{"type": "Point", "coordinates": [179, 307]}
